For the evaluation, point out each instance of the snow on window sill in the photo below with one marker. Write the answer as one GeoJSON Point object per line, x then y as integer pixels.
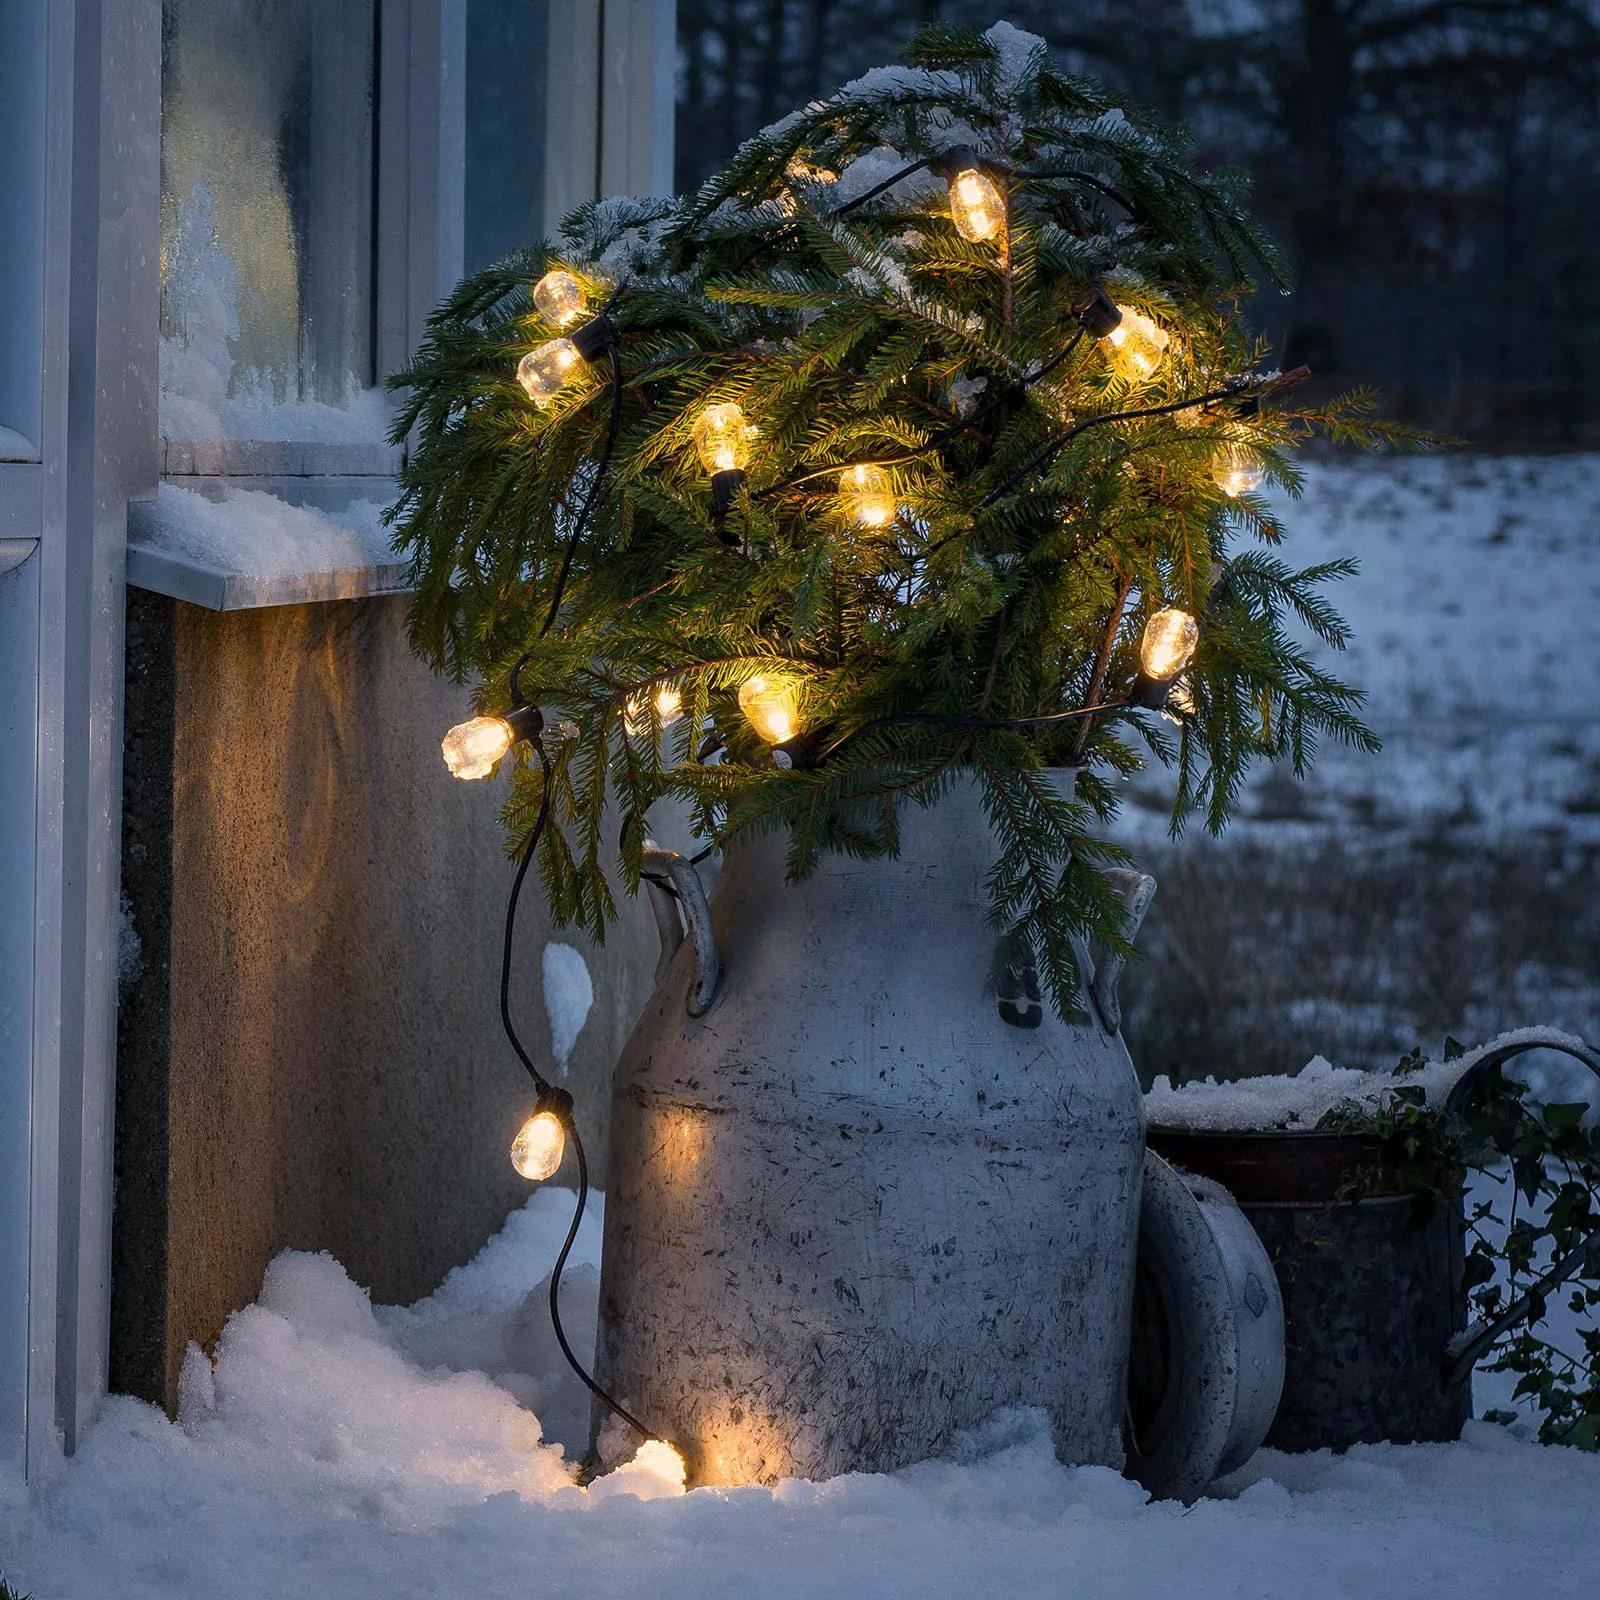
{"type": "Point", "coordinates": [231, 548]}
{"type": "Point", "coordinates": [242, 438]}
{"type": "Point", "coordinates": [15, 447]}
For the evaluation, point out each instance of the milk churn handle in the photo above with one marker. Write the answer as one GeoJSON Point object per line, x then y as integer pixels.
{"type": "Point", "coordinates": [1135, 890]}
{"type": "Point", "coordinates": [1464, 1349]}
{"type": "Point", "coordinates": [678, 899]}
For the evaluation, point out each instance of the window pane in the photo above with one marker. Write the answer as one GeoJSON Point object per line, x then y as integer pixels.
{"type": "Point", "coordinates": [266, 207]}
{"type": "Point", "coordinates": [506, 100]}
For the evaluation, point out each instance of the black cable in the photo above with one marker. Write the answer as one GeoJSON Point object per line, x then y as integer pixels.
{"type": "Point", "coordinates": [1110, 191]}
{"type": "Point", "coordinates": [1061, 440]}
{"type": "Point", "coordinates": [539, 1081]}
{"type": "Point", "coordinates": [542, 1085]}
{"type": "Point", "coordinates": [938, 719]}
{"type": "Point", "coordinates": [555, 1292]}
{"type": "Point", "coordinates": [581, 522]}
{"type": "Point", "coordinates": [946, 434]}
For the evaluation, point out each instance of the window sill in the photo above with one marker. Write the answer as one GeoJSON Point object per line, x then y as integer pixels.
{"type": "Point", "coordinates": [234, 546]}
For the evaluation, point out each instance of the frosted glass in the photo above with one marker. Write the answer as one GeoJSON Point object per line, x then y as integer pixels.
{"type": "Point", "coordinates": [266, 206]}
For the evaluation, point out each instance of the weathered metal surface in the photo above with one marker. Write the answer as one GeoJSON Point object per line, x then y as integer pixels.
{"type": "Point", "coordinates": [1136, 890]}
{"type": "Point", "coordinates": [678, 899]}
{"type": "Point", "coordinates": [1208, 1336]}
{"type": "Point", "coordinates": [1274, 1168]}
{"type": "Point", "coordinates": [868, 1197]}
{"type": "Point", "coordinates": [1372, 1291]}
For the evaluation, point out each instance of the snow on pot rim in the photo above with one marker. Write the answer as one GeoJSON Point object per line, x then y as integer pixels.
{"type": "Point", "coordinates": [1295, 1103]}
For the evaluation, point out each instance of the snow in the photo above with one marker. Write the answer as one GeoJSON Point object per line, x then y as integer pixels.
{"type": "Point", "coordinates": [1302, 1099]}
{"type": "Point", "coordinates": [248, 531]}
{"type": "Point", "coordinates": [1020, 55]}
{"type": "Point", "coordinates": [568, 995]}
{"type": "Point", "coordinates": [15, 447]}
{"type": "Point", "coordinates": [337, 1448]}
{"type": "Point", "coordinates": [1478, 666]}
{"type": "Point", "coordinates": [878, 165]}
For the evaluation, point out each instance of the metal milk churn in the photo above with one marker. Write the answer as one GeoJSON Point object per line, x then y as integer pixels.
{"type": "Point", "coordinates": [873, 1193]}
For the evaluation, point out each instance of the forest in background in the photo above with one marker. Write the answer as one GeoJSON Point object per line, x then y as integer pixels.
{"type": "Point", "coordinates": [1431, 168]}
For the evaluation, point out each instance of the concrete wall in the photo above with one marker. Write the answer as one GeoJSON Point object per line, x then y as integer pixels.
{"type": "Point", "coordinates": [310, 1053]}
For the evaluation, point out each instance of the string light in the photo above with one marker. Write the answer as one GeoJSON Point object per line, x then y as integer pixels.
{"type": "Point", "coordinates": [668, 704]}
{"type": "Point", "coordinates": [542, 1140]}
{"type": "Point", "coordinates": [1138, 345]}
{"type": "Point", "coordinates": [473, 749]}
{"type": "Point", "coordinates": [771, 705]}
{"type": "Point", "coordinates": [1236, 469]}
{"type": "Point", "coordinates": [547, 369]}
{"type": "Point", "coordinates": [976, 207]}
{"type": "Point", "coordinates": [722, 437]}
{"type": "Point", "coordinates": [559, 298]}
{"type": "Point", "coordinates": [540, 1143]}
{"type": "Point", "coordinates": [1166, 648]}
{"type": "Point", "coordinates": [867, 496]}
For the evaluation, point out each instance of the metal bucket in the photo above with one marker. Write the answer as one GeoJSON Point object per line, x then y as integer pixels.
{"type": "Point", "coordinates": [871, 1195]}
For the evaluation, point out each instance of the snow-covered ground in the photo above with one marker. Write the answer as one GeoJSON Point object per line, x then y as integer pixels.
{"type": "Point", "coordinates": [378, 1454]}
{"type": "Point", "coordinates": [1475, 637]}
{"type": "Point", "coordinates": [1444, 885]}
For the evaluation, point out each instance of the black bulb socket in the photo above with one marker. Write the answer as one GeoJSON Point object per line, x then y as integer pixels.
{"type": "Point", "coordinates": [526, 722]}
{"type": "Point", "coordinates": [725, 488]}
{"type": "Point", "coordinates": [961, 158]}
{"type": "Point", "coordinates": [557, 1102]}
{"type": "Point", "coordinates": [594, 338]}
{"type": "Point", "coordinates": [1101, 316]}
{"type": "Point", "coordinates": [1150, 694]}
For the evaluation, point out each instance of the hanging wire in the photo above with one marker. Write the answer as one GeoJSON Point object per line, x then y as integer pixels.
{"type": "Point", "coordinates": [529, 851]}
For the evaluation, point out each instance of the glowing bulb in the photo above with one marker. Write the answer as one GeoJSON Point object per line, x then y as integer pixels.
{"type": "Point", "coordinates": [471, 749]}
{"type": "Point", "coordinates": [559, 298]}
{"type": "Point", "coordinates": [722, 437]}
{"type": "Point", "coordinates": [636, 713]}
{"type": "Point", "coordinates": [547, 369]}
{"type": "Point", "coordinates": [1168, 645]}
{"type": "Point", "coordinates": [975, 205]}
{"type": "Point", "coordinates": [660, 1459]}
{"type": "Point", "coordinates": [1137, 345]}
{"type": "Point", "coordinates": [536, 1151]}
{"type": "Point", "coordinates": [771, 705]}
{"type": "Point", "coordinates": [867, 496]}
{"type": "Point", "coordinates": [1236, 469]}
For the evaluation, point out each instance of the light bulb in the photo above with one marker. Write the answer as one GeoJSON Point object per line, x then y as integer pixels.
{"type": "Point", "coordinates": [1168, 645]}
{"type": "Point", "coordinates": [559, 298]}
{"type": "Point", "coordinates": [722, 436]}
{"type": "Point", "coordinates": [867, 497]}
{"type": "Point", "coordinates": [547, 369]}
{"type": "Point", "coordinates": [668, 702]}
{"type": "Point", "coordinates": [537, 1149]}
{"type": "Point", "coordinates": [1236, 469]}
{"type": "Point", "coordinates": [1137, 345]}
{"type": "Point", "coordinates": [662, 1460]}
{"type": "Point", "coordinates": [771, 705]}
{"type": "Point", "coordinates": [975, 205]}
{"type": "Point", "coordinates": [471, 749]}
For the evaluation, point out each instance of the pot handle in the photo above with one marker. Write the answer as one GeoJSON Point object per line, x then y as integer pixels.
{"type": "Point", "coordinates": [1462, 1352]}
{"type": "Point", "coordinates": [1135, 890]}
{"type": "Point", "coordinates": [678, 899]}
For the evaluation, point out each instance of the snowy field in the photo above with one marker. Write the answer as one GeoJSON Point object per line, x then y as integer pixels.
{"type": "Point", "coordinates": [381, 1454]}
{"type": "Point", "coordinates": [1475, 637]}
{"type": "Point", "coordinates": [1446, 884]}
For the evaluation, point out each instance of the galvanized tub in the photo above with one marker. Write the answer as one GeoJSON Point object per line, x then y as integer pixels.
{"type": "Point", "coordinates": [872, 1194]}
